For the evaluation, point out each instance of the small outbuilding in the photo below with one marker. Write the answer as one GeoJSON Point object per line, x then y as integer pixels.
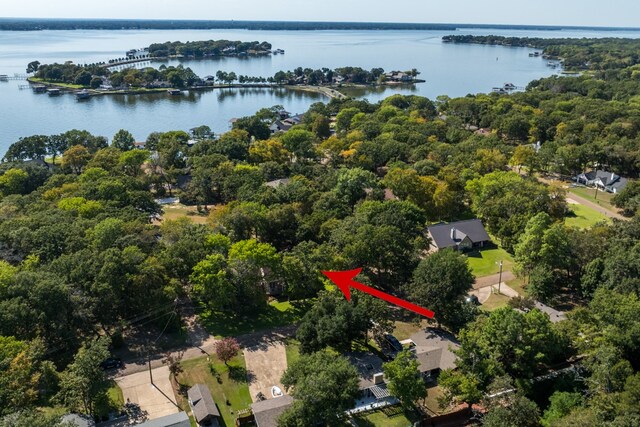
{"type": "Point", "coordinates": [203, 407]}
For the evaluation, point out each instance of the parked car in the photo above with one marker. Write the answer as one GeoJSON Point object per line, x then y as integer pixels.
{"type": "Point", "coordinates": [393, 342]}
{"type": "Point", "coordinates": [111, 363]}
{"type": "Point", "coordinates": [472, 299]}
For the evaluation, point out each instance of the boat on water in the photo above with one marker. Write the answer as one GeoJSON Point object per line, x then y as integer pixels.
{"type": "Point", "coordinates": [54, 92]}
{"type": "Point", "coordinates": [4, 78]}
{"type": "Point", "coordinates": [83, 94]}
{"type": "Point", "coordinates": [174, 92]}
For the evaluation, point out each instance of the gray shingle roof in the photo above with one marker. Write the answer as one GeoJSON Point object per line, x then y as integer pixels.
{"type": "Point", "coordinates": [181, 419]}
{"type": "Point", "coordinates": [434, 349]}
{"type": "Point", "coordinates": [267, 412]}
{"type": "Point", "coordinates": [472, 228]}
{"type": "Point", "coordinates": [202, 404]}
{"type": "Point", "coordinates": [367, 365]}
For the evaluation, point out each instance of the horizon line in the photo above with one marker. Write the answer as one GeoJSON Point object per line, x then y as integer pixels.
{"type": "Point", "coordinates": [240, 21]}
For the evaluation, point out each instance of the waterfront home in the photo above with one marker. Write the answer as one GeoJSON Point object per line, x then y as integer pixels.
{"type": "Point", "coordinates": [398, 77]}
{"type": "Point", "coordinates": [460, 235]}
{"type": "Point", "coordinates": [604, 180]}
{"type": "Point", "coordinates": [140, 145]}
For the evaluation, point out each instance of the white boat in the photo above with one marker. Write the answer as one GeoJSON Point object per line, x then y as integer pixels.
{"type": "Point", "coordinates": [276, 391]}
{"type": "Point", "coordinates": [83, 94]}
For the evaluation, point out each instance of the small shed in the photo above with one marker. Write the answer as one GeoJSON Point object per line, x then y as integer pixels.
{"type": "Point", "coordinates": [203, 407]}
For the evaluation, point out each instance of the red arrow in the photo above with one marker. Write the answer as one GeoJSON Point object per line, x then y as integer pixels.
{"type": "Point", "coordinates": [344, 281]}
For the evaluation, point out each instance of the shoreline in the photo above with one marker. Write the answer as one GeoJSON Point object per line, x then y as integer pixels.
{"type": "Point", "coordinates": [330, 92]}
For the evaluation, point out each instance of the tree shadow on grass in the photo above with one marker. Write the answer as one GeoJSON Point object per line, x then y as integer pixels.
{"type": "Point", "coordinates": [240, 374]}
{"type": "Point", "coordinates": [232, 324]}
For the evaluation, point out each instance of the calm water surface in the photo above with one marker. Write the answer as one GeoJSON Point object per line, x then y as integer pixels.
{"type": "Point", "coordinates": [453, 70]}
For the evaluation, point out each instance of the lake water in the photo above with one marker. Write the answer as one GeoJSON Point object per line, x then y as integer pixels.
{"type": "Point", "coordinates": [448, 69]}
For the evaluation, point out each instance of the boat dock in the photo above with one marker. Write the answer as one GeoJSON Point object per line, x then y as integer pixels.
{"type": "Point", "coordinates": [6, 77]}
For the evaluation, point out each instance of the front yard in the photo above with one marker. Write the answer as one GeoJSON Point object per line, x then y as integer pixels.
{"type": "Point", "coordinates": [603, 199]}
{"type": "Point", "coordinates": [276, 314]}
{"type": "Point", "coordinates": [228, 384]}
{"type": "Point", "coordinates": [485, 262]}
{"type": "Point", "coordinates": [581, 216]}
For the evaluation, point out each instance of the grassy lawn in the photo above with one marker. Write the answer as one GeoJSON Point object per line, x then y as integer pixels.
{"type": "Point", "coordinates": [583, 217]}
{"type": "Point", "coordinates": [495, 302]}
{"type": "Point", "coordinates": [404, 330]}
{"type": "Point", "coordinates": [517, 285]}
{"type": "Point", "coordinates": [274, 315]}
{"type": "Point", "coordinates": [230, 390]}
{"type": "Point", "coordinates": [434, 392]}
{"type": "Point", "coordinates": [173, 212]}
{"type": "Point", "coordinates": [389, 417]}
{"type": "Point", "coordinates": [292, 349]}
{"type": "Point", "coordinates": [604, 198]}
{"type": "Point", "coordinates": [485, 262]}
{"type": "Point", "coordinates": [67, 85]}
{"type": "Point", "coordinates": [115, 400]}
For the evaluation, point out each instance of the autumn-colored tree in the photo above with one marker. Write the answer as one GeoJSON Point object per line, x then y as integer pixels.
{"type": "Point", "coordinates": [227, 349]}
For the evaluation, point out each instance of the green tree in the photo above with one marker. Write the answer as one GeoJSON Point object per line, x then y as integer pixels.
{"type": "Point", "coordinates": [441, 282]}
{"type": "Point", "coordinates": [405, 381]}
{"type": "Point", "coordinates": [123, 140]}
{"type": "Point", "coordinates": [76, 158]}
{"type": "Point", "coordinates": [13, 181]}
{"type": "Point", "coordinates": [517, 411]}
{"type": "Point", "coordinates": [323, 386]}
{"type": "Point", "coordinates": [83, 383]}
{"type": "Point", "coordinates": [19, 374]}
{"type": "Point", "coordinates": [561, 404]}
{"type": "Point", "coordinates": [335, 322]}
{"type": "Point", "coordinates": [211, 284]}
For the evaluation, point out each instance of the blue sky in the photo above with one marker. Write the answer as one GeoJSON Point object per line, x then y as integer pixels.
{"type": "Point", "coordinates": [618, 13]}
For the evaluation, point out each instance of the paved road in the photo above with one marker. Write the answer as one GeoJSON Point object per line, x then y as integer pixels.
{"type": "Point", "coordinates": [594, 206]}
{"type": "Point", "coordinates": [483, 282]}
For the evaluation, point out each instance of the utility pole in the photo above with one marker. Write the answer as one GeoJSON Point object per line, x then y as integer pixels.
{"type": "Point", "coordinates": [149, 364]}
{"type": "Point", "coordinates": [500, 276]}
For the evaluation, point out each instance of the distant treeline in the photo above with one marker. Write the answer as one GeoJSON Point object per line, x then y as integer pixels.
{"type": "Point", "coordinates": [591, 54]}
{"type": "Point", "coordinates": [34, 24]}
{"type": "Point", "coordinates": [200, 49]}
{"type": "Point", "coordinates": [134, 24]}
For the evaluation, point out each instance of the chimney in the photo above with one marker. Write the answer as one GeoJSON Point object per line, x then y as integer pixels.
{"type": "Point", "coordinates": [378, 378]}
{"type": "Point", "coordinates": [453, 234]}
{"type": "Point", "coordinates": [613, 176]}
